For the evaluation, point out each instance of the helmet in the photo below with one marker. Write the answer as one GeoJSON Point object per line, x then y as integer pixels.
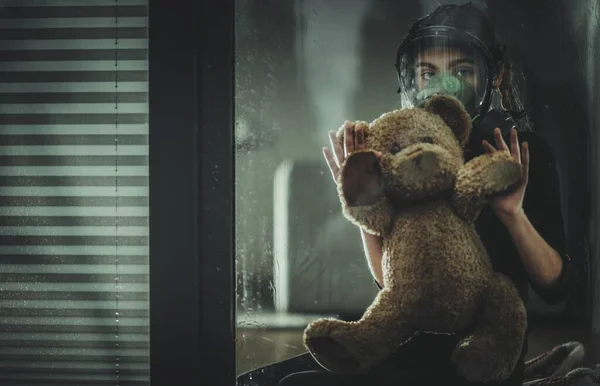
{"type": "Point", "coordinates": [471, 59]}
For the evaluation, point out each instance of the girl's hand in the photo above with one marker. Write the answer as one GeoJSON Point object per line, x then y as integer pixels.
{"type": "Point", "coordinates": [510, 204]}
{"type": "Point", "coordinates": [354, 140]}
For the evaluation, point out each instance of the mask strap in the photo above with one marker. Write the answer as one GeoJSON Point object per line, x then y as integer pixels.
{"type": "Point", "coordinates": [496, 97]}
{"type": "Point", "coordinates": [496, 100]}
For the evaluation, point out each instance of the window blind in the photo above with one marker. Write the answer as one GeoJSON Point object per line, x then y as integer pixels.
{"type": "Point", "coordinates": [74, 291]}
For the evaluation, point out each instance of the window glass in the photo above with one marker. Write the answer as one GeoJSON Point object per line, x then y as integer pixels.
{"type": "Point", "coordinates": [304, 67]}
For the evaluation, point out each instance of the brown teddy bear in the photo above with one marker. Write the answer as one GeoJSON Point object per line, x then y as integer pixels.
{"type": "Point", "coordinates": [412, 187]}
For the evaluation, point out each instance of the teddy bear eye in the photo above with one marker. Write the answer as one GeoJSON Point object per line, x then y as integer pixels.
{"type": "Point", "coordinates": [395, 148]}
{"type": "Point", "coordinates": [427, 140]}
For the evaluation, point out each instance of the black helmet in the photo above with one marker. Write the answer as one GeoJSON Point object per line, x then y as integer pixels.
{"type": "Point", "coordinates": [463, 27]}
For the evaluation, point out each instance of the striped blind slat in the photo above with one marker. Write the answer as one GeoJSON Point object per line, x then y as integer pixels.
{"type": "Point", "coordinates": [74, 290]}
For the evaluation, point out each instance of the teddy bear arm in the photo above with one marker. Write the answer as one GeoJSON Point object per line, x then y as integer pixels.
{"type": "Point", "coordinates": [466, 202]}
{"type": "Point", "coordinates": [375, 218]}
{"type": "Point", "coordinates": [481, 178]}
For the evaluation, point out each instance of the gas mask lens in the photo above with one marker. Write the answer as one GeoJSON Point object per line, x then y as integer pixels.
{"type": "Point", "coordinates": [446, 84]}
{"type": "Point", "coordinates": [435, 65]}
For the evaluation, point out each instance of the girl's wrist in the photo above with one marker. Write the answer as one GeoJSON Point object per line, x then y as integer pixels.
{"type": "Point", "coordinates": [512, 219]}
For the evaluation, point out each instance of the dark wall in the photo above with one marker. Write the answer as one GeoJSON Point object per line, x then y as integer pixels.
{"type": "Point", "coordinates": [382, 30]}
{"type": "Point", "coordinates": [541, 38]}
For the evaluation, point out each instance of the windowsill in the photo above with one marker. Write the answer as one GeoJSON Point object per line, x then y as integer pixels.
{"type": "Point", "coordinates": [275, 320]}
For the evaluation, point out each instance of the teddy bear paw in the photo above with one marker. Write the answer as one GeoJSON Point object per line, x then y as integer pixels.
{"type": "Point", "coordinates": [477, 367]}
{"type": "Point", "coordinates": [327, 349]}
{"type": "Point", "coordinates": [362, 179]}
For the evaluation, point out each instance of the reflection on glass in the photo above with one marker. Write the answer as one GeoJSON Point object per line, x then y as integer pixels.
{"type": "Point", "coordinates": [74, 291]}
{"type": "Point", "coordinates": [310, 66]}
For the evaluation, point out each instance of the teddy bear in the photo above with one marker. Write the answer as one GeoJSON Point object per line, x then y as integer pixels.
{"type": "Point", "coordinates": [411, 186]}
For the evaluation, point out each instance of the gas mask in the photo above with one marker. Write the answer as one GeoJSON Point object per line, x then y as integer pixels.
{"type": "Point", "coordinates": [433, 64]}
{"type": "Point", "coordinates": [452, 51]}
{"type": "Point", "coordinates": [444, 84]}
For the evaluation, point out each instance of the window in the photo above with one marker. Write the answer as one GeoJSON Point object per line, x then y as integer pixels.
{"type": "Point", "coordinates": [302, 68]}
{"type": "Point", "coordinates": [74, 282]}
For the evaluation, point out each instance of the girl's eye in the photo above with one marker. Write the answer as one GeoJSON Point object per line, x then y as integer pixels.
{"type": "Point", "coordinates": [427, 75]}
{"type": "Point", "coordinates": [464, 72]}
{"type": "Point", "coordinates": [427, 140]}
{"type": "Point", "coordinates": [395, 149]}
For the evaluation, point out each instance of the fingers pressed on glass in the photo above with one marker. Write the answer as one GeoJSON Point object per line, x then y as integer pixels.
{"type": "Point", "coordinates": [514, 145]}
{"type": "Point", "coordinates": [360, 137]}
{"type": "Point", "coordinates": [331, 162]}
{"type": "Point", "coordinates": [338, 152]}
{"type": "Point", "coordinates": [499, 140]}
{"type": "Point", "coordinates": [348, 138]}
{"type": "Point", "coordinates": [488, 147]}
{"type": "Point", "coordinates": [525, 162]}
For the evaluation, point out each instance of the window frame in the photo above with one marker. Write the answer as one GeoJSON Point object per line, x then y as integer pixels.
{"type": "Point", "coordinates": [191, 167]}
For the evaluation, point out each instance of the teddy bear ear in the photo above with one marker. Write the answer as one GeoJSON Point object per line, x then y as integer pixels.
{"type": "Point", "coordinates": [452, 111]}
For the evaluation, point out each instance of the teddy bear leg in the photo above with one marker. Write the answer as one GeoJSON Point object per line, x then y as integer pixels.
{"type": "Point", "coordinates": [354, 347]}
{"type": "Point", "coordinates": [492, 350]}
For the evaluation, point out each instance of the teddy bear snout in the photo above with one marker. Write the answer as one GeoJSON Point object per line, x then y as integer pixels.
{"type": "Point", "coordinates": [414, 153]}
